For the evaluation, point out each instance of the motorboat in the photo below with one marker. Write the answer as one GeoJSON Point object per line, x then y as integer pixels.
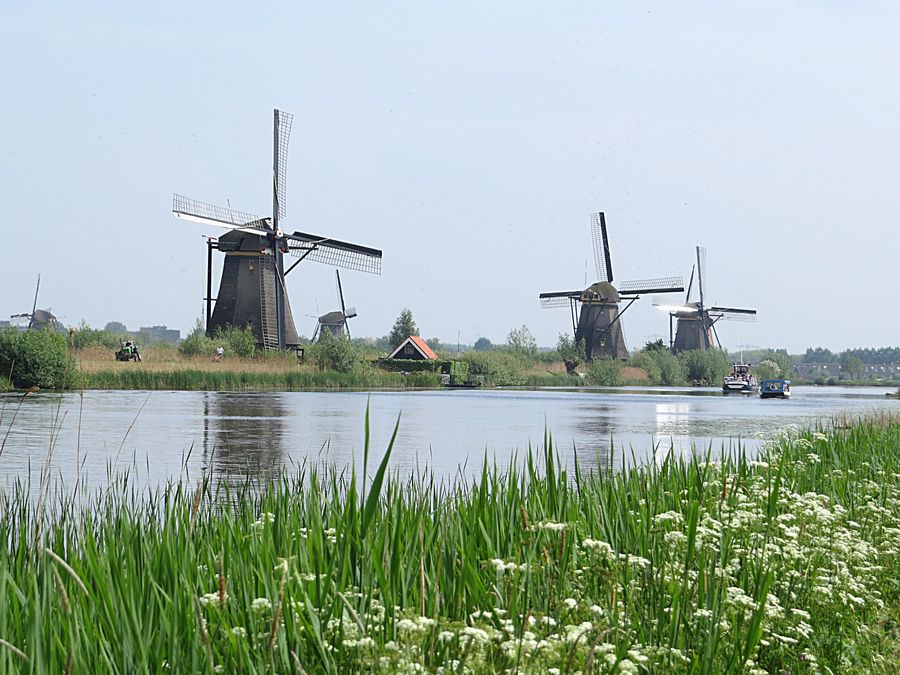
{"type": "Point", "coordinates": [775, 389]}
{"type": "Point", "coordinates": [740, 380]}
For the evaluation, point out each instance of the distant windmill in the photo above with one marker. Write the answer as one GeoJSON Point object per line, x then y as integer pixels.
{"type": "Point", "coordinates": [39, 319]}
{"type": "Point", "coordinates": [252, 288]}
{"type": "Point", "coordinates": [696, 322]}
{"type": "Point", "coordinates": [596, 311]}
{"type": "Point", "coordinates": [335, 323]}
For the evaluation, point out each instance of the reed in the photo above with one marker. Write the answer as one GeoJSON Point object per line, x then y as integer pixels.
{"type": "Point", "coordinates": [784, 562]}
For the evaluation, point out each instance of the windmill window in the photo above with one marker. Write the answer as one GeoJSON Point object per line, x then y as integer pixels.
{"type": "Point", "coordinates": [408, 349]}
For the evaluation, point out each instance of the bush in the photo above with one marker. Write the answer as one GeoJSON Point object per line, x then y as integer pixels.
{"type": "Point", "coordinates": [197, 345]}
{"type": "Point", "coordinates": [237, 341]}
{"type": "Point", "coordinates": [36, 359]}
{"type": "Point", "coordinates": [605, 372]}
{"type": "Point", "coordinates": [334, 353]}
{"type": "Point", "coordinates": [766, 370]}
{"type": "Point", "coordinates": [496, 367]}
{"type": "Point", "coordinates": [705, 367]}
{"type": "Point", "coordinates": [661, 365]}
{"type": "Point", "coordinates": [645, 361]}
{"type": "Point", "coordinates": [85, 336]}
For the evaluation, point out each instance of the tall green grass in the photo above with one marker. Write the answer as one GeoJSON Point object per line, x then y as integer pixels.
{"type": "Point", "coordinates": [787, 562]}
{"type": "Point", "coordinates": [208, 380]}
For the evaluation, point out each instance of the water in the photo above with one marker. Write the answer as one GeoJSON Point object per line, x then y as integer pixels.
{"type": "Point", "coordinates": [179, 435]}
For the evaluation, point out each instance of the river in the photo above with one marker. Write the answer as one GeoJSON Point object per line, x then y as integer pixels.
{"type": "Point", "coordinates": [158, 436]}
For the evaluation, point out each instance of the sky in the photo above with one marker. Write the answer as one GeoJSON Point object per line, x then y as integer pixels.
{"type": "Point", "coordinates": [469, 141]}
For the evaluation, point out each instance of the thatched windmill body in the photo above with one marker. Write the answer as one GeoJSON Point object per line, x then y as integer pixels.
{"type": "Point", "coordinates": [695, 322]}
{"type": "Point", "coordinates": [252, 289]}
{"type": "Point", "coordinates": [597, 310]}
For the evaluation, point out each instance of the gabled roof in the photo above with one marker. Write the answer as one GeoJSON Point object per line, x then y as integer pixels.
{"type": "Point", "coordinates": [419, 344]}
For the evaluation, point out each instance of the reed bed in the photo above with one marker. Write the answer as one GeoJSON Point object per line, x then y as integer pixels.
{"type": "Point", "coordinates": [784, 562]}
{"type": "Point", "coordinates": [166, 369]}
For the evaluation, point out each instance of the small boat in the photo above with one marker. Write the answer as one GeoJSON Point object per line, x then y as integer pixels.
{"type": "Point", "coordinates": [775, 389]}
{"type": "Point", "coordinates": [739, 380]}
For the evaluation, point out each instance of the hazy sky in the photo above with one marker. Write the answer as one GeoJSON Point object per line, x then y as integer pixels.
{"type": "Point", "coordinates": [470, 142]}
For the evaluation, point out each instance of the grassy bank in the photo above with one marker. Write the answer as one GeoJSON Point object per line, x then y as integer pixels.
{"type": "Point", "coordinates": [167, 369]}
{"type": "Point", "coordinates": [787, 562]}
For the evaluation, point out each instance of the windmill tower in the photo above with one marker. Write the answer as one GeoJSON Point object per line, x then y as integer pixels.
{"type": "Point", "coordinates": [252, 289]}
{"type": "Point", "coordinates": [695, 322]}
{"type": "Point", "coordinates": [335, 323]}
{"type": "Point", "coordinates": [39, 319]}
{"type": "Point", "coordinates": [596, 311]}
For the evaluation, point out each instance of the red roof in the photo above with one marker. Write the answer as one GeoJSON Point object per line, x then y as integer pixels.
{"type": "Point", "coordinates": [419, 344]}
{"type": "Point", "coordinates": [422, 345]}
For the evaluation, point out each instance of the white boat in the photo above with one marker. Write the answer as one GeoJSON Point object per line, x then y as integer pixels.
{"type": "Point", "coordinates": [739, 380]}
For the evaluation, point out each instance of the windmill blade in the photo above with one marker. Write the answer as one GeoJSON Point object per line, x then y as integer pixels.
{"type": "Point", "coordinates": [38, 288]}
{"type": "Point", "coordinates": [649, 286]}
{"type": "Point", "coordinates": [282, 133]}
{"type": "Point", "coordinates": [701, 271]}
{"type": "Point", "coordinates": [675, 309]}
{"type": "Point", "coordinates": [687, 296]}
{"type": "Point", "coordinates": [558, 299]}
{"type": "Point", "coordinates": [340, 292]}
{"type": "Point", "coordinates": [335, 252]}
{"type": "Point", "coordinates": [220, 216]}
{"type": "Point", "coordinates": [600, 239]}
{"type": "Point", "coordinates": [733, 313]}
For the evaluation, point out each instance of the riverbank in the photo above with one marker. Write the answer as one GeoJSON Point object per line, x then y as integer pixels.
{"type": "Point", "coordinates": [788, 562]}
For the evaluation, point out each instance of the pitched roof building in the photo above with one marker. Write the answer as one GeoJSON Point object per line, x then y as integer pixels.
{"type": "Point", "coordinates": [413, 347]}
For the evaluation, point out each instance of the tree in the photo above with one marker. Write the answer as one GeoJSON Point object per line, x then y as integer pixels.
{"type": "Point", "coordinates": [116, 327]}
{"type": "Point", "coordinates": [852, 365]}
{"type": "Point", "coordinates": [404, 326]}
{"type": "Point", "coordinates": [482, 344]}
{"type": "Point", "coordinates": [521, 341]}
{"type": "Point", "coordinates": [570, 351]}
{"type": "Point", "coordinates": [656, 346]}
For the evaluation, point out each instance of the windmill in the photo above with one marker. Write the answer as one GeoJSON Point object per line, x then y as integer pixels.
{"type": "Point", "coordinates": [335, 323]}
{"type": "Point", "coordinates": [252, 289]}
{"type": "Point", "coordinates": [39, 319]}
{"type": "Point", "coordinates": [695, 321]}
{"type": "Point", "coordinates": [596, 311]}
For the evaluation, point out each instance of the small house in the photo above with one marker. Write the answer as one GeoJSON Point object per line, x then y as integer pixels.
{"type": "Point", "coordinates": [414, 347]}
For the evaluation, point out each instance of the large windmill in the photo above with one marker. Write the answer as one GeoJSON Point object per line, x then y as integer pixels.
{"type": "Point", "coordinates": [252, 288]}
{"type": "Point", "coordinates": [39, 319]}
{"type": "Point", "coordinates": [335, 323]}
{"type": "Point", "coordinates": [596, 310]}
{"type": "Point", "coordinates": [695, 322]}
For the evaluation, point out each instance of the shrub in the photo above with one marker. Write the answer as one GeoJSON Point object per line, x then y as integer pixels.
{"type": "Point", "coordinates": [496, 367]}
{"type": "Point", "coordinates": [237, 341]}
{"type": "Point", "coordinates": [197, 344]}
{"type": "Point", "coordinates": [333, 353]}
{"type": "Point", "coordinates": [705, 367]}
{"type": "Point", "coordinates": [36, 358]}
{"type": "Point", "coordinates": [605, 372]}
{"type": "Point", "coordinates": [85, 336]}
{"type": "Point", "coordinates": [767, 370]}
{"type": "Point", "coordinates": [645, 361]}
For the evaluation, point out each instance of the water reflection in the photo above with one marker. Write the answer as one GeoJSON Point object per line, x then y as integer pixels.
{"type": "Point", "coordinates": [243, 435]}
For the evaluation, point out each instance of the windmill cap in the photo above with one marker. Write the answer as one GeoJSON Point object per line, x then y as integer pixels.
{"type": "Point", "coordinates": [602, 291]}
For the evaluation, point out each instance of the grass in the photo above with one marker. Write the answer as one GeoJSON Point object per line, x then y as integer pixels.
{"type": "Point", "coordinates": [787, 562]}
{"type": "Point", "coordinates": [166, 369]}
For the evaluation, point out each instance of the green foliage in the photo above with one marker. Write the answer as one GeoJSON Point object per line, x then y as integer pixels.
{"type": "Point", "coordinates": [36, 359]}
{"type": "Point", "coordinates": [794, 552]}
{"type": "Point", "coordinates": [403, 327]}
{"type": "Point", "coordinates": [644, 360]}
{"type": "Point", "coordinates": [236, 341]}
{"type": "Point", "coordinates": [459, 372]}
{"type": "Point", "coordinates": [767, 369]}
{"type": "Point", "coordinates": [520, 341]}
{"type": "Point", "coordinates": [705, 367]}
{"type": "Point", "coordinates": [335, 353]}
{"type": "Point", "coordinates": [85, 336]}
{"type": "Point", "coordinates": [605, 372]}
{"type": "Point", "coordinates": [656, 346]}
{"type": "Point", "coordinates": [500, 368]}
{"type": "Point", "coordinates": [819, 355]}
{"type": "Point", "coordinates": [197, 344]}
{"type": "Point", "coordinates": [570, 352]}
{"type": "Point", "coordinates": [482, 344]}
{"type": "Point", "coordinates": [851, 364]}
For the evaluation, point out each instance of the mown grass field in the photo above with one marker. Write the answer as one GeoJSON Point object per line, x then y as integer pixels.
{"type": "Point", "coordinates": [785, 562]}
